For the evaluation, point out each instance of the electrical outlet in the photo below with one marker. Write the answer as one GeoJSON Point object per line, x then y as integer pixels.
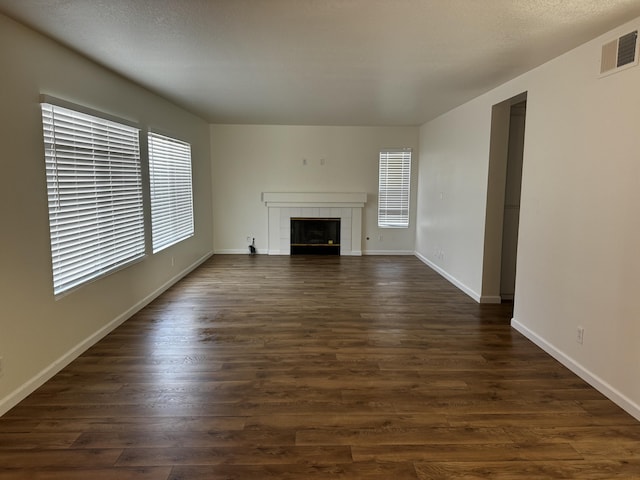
{"type": "Point", "coordinates": [580, 335]}
{"type": "Point", "coordinates": [248, 238]}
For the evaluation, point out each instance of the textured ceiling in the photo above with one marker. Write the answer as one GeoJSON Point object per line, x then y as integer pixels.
{"type": "Point", "coordinates": [321, 62]}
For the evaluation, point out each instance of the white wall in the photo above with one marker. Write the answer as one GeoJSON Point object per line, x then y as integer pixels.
{"type": "Point", "coordinates": [579, 224]}
{"type": "Point", "coordinates": [452, 195]}
{"type": "Point", "coordinates": [38, 334]}
{"type": "Point", "coordinates": [250, 159]}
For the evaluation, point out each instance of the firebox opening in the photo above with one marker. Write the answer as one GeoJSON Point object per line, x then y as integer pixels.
{"type": "Point", "coordinates": [315, 236]}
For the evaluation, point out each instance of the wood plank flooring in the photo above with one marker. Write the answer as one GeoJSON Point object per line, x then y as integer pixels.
{"type": "Point", "coordinates": [317, 368]}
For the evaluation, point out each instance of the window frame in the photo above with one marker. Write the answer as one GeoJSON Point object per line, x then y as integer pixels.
{"type": "Point", "coordinates": [90, 168]}
{"type": "Point", "coordinates": [168, 226]}
{"type": "Point", "coordinates": [394, 198]}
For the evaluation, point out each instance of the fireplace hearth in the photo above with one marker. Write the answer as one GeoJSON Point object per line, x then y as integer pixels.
{"type": "Point", "coordinates": [315, 236]}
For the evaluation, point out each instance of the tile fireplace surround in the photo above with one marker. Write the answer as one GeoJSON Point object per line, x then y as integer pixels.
{"type": "Point", "coordinates": [345, 206]}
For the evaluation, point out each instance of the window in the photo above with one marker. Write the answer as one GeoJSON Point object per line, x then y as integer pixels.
{"type": "Point", "coordinates": [171, 196]}
{"type": "Point", "coordinates": [94, 189]}
{"type": "Point", "coordinates": [393, 191]}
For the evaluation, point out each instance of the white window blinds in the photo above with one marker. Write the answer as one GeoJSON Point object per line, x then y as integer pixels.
{"type": "Point", "coordinates": [393, 191]}
{"type": "Point", "coordinates": [171, 191]}
{"type": "Point", "coordinates": [94, 188]}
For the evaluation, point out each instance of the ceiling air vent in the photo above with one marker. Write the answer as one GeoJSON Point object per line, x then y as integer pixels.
{"type": "Point", "coordinates": [620, 53]}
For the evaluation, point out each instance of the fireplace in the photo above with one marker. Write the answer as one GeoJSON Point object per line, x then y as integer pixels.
{"type": "Point", "coordinates": [283, 206]}
{"type": "Point", "coordinates": [315, 236]}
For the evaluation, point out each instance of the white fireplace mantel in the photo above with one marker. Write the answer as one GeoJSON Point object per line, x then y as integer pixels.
{"type": "Point", "coordinates": [282, 206]}
{"type": "Point", "coordinates": [315, 199]}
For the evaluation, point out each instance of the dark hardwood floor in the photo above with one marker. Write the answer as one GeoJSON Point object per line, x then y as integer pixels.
{"type": "Point", "coordinates": [317, 368]}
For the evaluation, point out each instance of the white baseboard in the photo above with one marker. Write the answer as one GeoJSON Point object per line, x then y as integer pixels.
{"type": "Point", "coordinates": [234, 251]}
{"type": "Point", "coordinates": [592, 379]}
{"type": "Point", "coordinates": [490, 299]}
{"type": "Point", "coordinates": [469, 291]}
{"type": "Point", "coordinates": [387, 252]}
{"type": "Point", "coordinates": [31, 385]}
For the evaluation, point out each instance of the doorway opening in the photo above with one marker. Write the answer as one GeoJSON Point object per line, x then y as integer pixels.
{"type": "Point", "coordinates": [508, 121]}
{"type": "Point", "coordinates": [513, 187]}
